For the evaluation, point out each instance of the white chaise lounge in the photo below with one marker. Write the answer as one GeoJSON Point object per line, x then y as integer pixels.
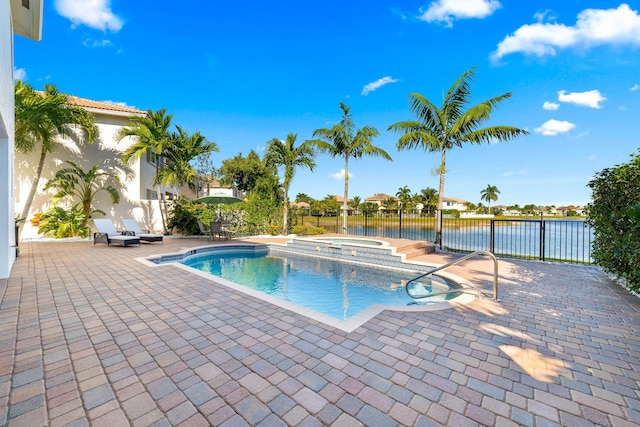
{"type": "Point", "coordinates": [107, 234]}
{"type": "Point", "coordinates": [132, 228]}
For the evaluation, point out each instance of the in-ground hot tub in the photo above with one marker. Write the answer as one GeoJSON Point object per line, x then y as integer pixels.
{"type": "Point", "coordinates": [349, 241]}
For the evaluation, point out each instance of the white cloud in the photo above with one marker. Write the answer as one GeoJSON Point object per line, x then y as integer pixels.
{"type": "Point", "coordinates": [635, 87]}
{"type": "Point", "coordinates": [340, 175]}
{"type": "Point", "coordinates": [551, 106]}
{"type": "Point", "coordinates": [593, 27]}
{"type": "Point", "coordinates": [622, 108]}
{"type": "Point", "coordinates": [446, 11]}
{"type": "Point", "coordinates": [592, 157]}
{"type": "Point", "coordinates": [508, 173]}
{"type": "Point", "coordinates": [377, 84]}
{"type": "Point", "coordinates": [20, 74]}
{"type": "Point", "coordinates": [97, 43]}
{"type": "Point", "coordinates": [554, 127]}
{"type": "Point", "coordinates": [95, 14]}
{"type": "Point", "coordinates": [591, 98]}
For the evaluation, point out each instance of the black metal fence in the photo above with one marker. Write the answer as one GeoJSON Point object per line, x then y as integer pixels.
{"type": "Point", "coordinates": [550, 239]}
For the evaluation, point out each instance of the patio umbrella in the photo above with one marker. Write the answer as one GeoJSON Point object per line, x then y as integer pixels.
{"type": "Point", "coordinates": [218, 199]}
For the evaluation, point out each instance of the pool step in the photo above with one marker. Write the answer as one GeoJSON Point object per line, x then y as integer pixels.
{"type": "Point", "coordinates": [416, 249]}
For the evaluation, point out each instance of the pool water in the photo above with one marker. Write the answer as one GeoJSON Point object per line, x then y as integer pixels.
{"type": "Point", "coordinates": [334, 288]}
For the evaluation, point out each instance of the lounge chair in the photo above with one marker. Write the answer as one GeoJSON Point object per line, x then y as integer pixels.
{"type": "Point", "coordinates": [132, 228]}
{"type": "Point", "coordinates": [203, 230]}
{"type": "Point", "coordinates": [107, 234]}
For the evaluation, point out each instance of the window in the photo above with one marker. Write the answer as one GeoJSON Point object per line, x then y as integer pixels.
{"type": "Point", "coordinates": [152, 195]}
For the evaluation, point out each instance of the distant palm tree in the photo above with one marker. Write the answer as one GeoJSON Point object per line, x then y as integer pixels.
{"type": "Point", "coordinates": [151, 134]}
{"type": "Point", "coordinates": [442, 129]}
{"type": "Point", "coordinates": [343, 140]}
{"type": "Point", "coordinates": [404, 196]}
{"type": "Point", "coordinates": [180, 151]}
{"type": "Point", "coordinates": [489, 194]}
{"type": "Point", "coordinates": [355, 203]}
{"type": "Point", "coordinates": [82, 187]}
{"type": "Point", "coordinates": [43, 118]}
{"type": "Point", "coordinates": [303, 197]}
{"type": "Point", "coordinates": [286, 154]}
{"type": "Point", "coordinates": [429, 198]}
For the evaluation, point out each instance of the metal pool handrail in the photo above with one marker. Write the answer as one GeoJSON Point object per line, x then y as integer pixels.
{"type": "Point", "coordinates": [465, 287]}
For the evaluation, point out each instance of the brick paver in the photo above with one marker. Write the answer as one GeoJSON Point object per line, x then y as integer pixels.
{"type": "Point", "coordinates": [89, 336]}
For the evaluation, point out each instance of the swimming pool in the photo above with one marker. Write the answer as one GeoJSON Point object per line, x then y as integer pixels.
{"type": "Point", "coordinates": [336, 289]}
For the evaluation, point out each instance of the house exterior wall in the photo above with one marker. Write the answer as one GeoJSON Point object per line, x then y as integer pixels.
{"type": "Point", "coordinates": [135, 183]}
{"type": "Point", "coordinates": [7, 218]}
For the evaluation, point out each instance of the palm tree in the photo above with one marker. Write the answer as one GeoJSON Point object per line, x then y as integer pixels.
{"type": "Point", "coordinates": [152, 136]}
{"type": "Point", "coordinates": [404, 196]}
{"type": "Point", "coordinates": [442, 129]}
{"type": "Point", "coordinates": [83, 187]}
{"type": "Point", "coordinates": [43, 118]}
{"type": "Point", "coordinates": [355, 203]}
{"type": "Point", "coordinates": [181, 150]}
{"type": "Point", "coordinates": [489, 194]}
{"type": "Point", "coordinates": [287, 155]}
{"type": "Point", "coordinates": [429, 197]}
{"type": "Point", "coordinates": [343, 140]}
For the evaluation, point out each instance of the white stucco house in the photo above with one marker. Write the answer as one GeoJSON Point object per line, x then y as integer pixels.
{"type": "Point", "coordinates": [22, 17]}
{"type": "Point", "coordinates": [453, 203]}
{"type": "Point", "coordinates": [138, 197]}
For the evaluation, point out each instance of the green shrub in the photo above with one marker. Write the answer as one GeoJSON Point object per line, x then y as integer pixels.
{"type": "Point", "coordinates": [60, 223]}
{"type": "Point", "coordinates": [299, 229]}
{"type": "Point", "coordinates": [614, 214]}
{"type": "Point", "coordinates": [183, 216]}
{"type": "Point", "coordinates": [274, 230]}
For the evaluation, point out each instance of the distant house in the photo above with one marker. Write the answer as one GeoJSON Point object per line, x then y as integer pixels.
{"type": "Point", "coordinates": [564, 210]}
{"type": "Point", "coordinates": [379, 199]}
{"type": "Point", "coordinates": [453, 204]}
{"type": "Point", "coordinates": [138, 196]}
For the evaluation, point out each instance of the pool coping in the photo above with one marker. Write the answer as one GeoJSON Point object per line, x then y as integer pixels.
{"type": "Point", "coordinates": [349, 325]}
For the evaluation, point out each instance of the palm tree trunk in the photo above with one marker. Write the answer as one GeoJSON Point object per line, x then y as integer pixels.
{"type": "Point", "coordinates": [160, 199]}
{"type": "Point", "coordinates": [34, 187]}
{"type": "Point", "coordinates": [285, 220]}
{"type": "Point", "coordinates": [346, 195]}
{"type": "Point", "coordinates": [440, 201]}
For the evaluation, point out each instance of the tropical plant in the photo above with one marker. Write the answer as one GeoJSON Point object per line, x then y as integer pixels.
{"type": "Point", "coordinates": [343, 140]}
{"type": "Point", "coordinates": [82, 187]}
{"type": "Point", "coordinates": [489, 194]}
{"type": "Point", "coordinates": [60, 223]}
{"type": "Point", "coordinates": [429, 198]}
{"type": "Point", "coordinates": [442, 129]}
{"type": "Point", "coordinates": [355, 203]}
{"type": "Point", "coordinates": [250, 175]}
{"type": "Point", "coordinates": [151, 133]}
{"type": "Point", "coordinates": [286, 155]}
{"type": "Point", "coordinates": [205, 172]}
{"type": "Point", "coordinates": [614, 214]}
{"type": "Point", "coordinates": [404, 196]}
{"type": "Point", "coordinates": [42, 119]}
{"type": "Point", "coordinates": [180, 151]}
{"type": "Point", "coordinates": [303, 197]}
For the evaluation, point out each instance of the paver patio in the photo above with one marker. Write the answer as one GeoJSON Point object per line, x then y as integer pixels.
{"type": "Point", "coordinates": [89, 336]}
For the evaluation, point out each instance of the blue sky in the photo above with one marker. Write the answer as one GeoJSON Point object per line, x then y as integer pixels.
{"type": "Point", "coordinates": [245, 72]}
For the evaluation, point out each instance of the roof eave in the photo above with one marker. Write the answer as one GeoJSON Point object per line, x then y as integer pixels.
{"type": "Point", "coordinates": [27, 21]}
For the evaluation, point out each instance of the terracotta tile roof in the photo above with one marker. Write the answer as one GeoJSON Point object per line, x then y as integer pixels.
{"type": "Point", "coordinates": [88, 103]}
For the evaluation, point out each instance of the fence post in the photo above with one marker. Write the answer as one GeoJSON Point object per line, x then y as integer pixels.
{"type": "Point", "coordinates": [542, 237]}
{"type": "Point", "coordinates": [492, 237]}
